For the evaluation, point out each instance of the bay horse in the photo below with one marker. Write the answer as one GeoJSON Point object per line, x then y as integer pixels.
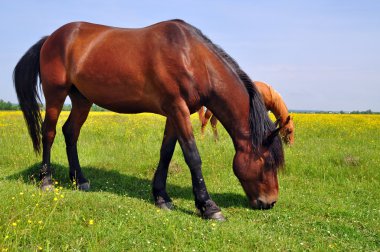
{"type": "Point", "coordinates": [273, 102]}
{"type": "Point", "coordinates": [169, 68]}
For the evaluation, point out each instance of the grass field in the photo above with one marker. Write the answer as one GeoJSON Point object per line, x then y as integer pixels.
{"type": "Point", "coordinates": [329, 190]}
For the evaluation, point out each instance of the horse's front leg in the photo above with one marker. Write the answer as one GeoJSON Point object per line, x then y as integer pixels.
{"type": "Point", "coordinates": [180, 119]}
{"type": "Point", "coordinates": [161, 197]}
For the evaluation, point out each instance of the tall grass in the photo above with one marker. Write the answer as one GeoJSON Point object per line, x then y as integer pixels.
{"type": "Point", "coordinates": [329, 190]}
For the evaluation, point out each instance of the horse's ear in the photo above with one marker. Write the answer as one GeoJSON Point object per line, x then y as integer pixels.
{"type": "Point", "coordinates": [269, 140]}
{"type": "Point", "coordinates": [287, 121]}
{"type": "Point", "coordinates": [277, 122]}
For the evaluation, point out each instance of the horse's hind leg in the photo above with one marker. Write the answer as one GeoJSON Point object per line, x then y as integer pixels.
{"type": "Point", "coordinates": [201, 114]}
{"type": "Point", "coordinates": [206, 117]}
{"type": "Point", "coordinates": [214, 122]}
{"type": "Point", "coordinates": [180, 117]}
{"type": "Point", "coordinates": [71, 129]}
{"type": "Point", "coordinates": [55, 97]}
{"type": "Point", "coordinates": [161, 198]}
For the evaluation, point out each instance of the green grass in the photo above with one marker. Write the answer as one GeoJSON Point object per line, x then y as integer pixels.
{"type": "Point", "coordinates": [329, 190]}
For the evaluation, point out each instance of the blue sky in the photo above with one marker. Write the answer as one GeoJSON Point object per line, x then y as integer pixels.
{"type": "Point", "coordinates": [322, 55]}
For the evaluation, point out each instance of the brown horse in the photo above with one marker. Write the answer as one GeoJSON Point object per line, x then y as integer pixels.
{"type": "Point", "coordinates": [169, 68]}
{"type": "Point", "coordinates": [273, 102]}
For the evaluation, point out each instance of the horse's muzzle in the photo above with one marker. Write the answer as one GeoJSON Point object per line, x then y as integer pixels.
{"type": "Point", "coordinates": [260, 205]}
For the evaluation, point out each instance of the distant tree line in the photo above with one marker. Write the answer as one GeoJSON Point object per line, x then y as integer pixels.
{"type": "Point", "coordinates": [8, 105]}
{"type": "Point", "coordinates": [333, 112]}
{"type": "Point", "coordinates": [66, 107]}
{"type": "Point", "coordinates": [364, 112]}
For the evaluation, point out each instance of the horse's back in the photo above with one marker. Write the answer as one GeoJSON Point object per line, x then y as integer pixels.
{"type": "Point", "coordinates": [266, 94]}
{"type": "Point", "coordinates": [136, 67]}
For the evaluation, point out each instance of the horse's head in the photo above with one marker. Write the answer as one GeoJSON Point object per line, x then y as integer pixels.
{"type": "Point", "coordinates": [259, 184]}
{"type": "Point", "coordinates": [257, 171]}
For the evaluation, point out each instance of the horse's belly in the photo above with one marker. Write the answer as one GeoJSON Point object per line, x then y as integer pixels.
{"type": "Point", "coordinates": [129, 107]}
{"type": "Point", "coordinates": [122, 98]}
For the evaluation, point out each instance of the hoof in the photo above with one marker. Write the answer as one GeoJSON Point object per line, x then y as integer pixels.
{"type": "Point", "coordinates": [84, 186]}
{"type": "Point", "coordinates": [210, 211]}
{"type": "Point", "coordinates": [47, 188]}
{"type": "Point", "coordinates": [216, 216]}
{"type": "Point", "coordinates": [165, 206]}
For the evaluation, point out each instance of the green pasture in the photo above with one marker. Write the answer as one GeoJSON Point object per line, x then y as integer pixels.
{"type": "Point", "coordinates": [329, 190]}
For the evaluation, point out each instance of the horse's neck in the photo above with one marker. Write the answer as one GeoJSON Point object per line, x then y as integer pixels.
{"type": "Point", "coordinates": [232, 110]}
{"type": "Point", "coordinates": [228, 98]}
{"type": "Point", "coordinates": [278, 108]}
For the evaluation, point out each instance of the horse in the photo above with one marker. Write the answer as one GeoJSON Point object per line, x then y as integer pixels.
{"type": "Point", "coordinates": [273, 102]}
{"type": "Point", "coordinates": [169, 68]}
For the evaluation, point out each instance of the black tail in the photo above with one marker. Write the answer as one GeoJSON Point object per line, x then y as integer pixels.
{"type": "Point", "coordinates": [25, 79]}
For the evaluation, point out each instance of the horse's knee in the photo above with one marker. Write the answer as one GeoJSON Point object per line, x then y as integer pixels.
{"type": "Point", "coordinates": [194, 161]}
{"type": "Point", "coordinates": [48, 136]}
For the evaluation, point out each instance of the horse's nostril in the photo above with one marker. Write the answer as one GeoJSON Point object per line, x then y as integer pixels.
{"type": "Point", "coordinates": [260, 204]}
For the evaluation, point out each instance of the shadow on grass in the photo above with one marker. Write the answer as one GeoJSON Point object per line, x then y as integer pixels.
{"type": "Point", "coordinates": [112, 181]}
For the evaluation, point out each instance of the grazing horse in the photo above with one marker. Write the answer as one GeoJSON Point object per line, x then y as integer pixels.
{"type": "Point", "coordinates": [169, 68]}
{"type": "Point", "coordinates": [273, 102]}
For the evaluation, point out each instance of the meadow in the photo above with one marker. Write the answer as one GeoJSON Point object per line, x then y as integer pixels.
{"type": "Point", "coordinates": [329, 190]}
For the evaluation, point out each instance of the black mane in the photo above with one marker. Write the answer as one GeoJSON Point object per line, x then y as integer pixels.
{"type": "Point", "coordinates": [260, 123]}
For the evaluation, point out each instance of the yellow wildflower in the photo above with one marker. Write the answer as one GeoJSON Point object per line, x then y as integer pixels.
{"type": "Point", "coordinates": [91, 222]}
